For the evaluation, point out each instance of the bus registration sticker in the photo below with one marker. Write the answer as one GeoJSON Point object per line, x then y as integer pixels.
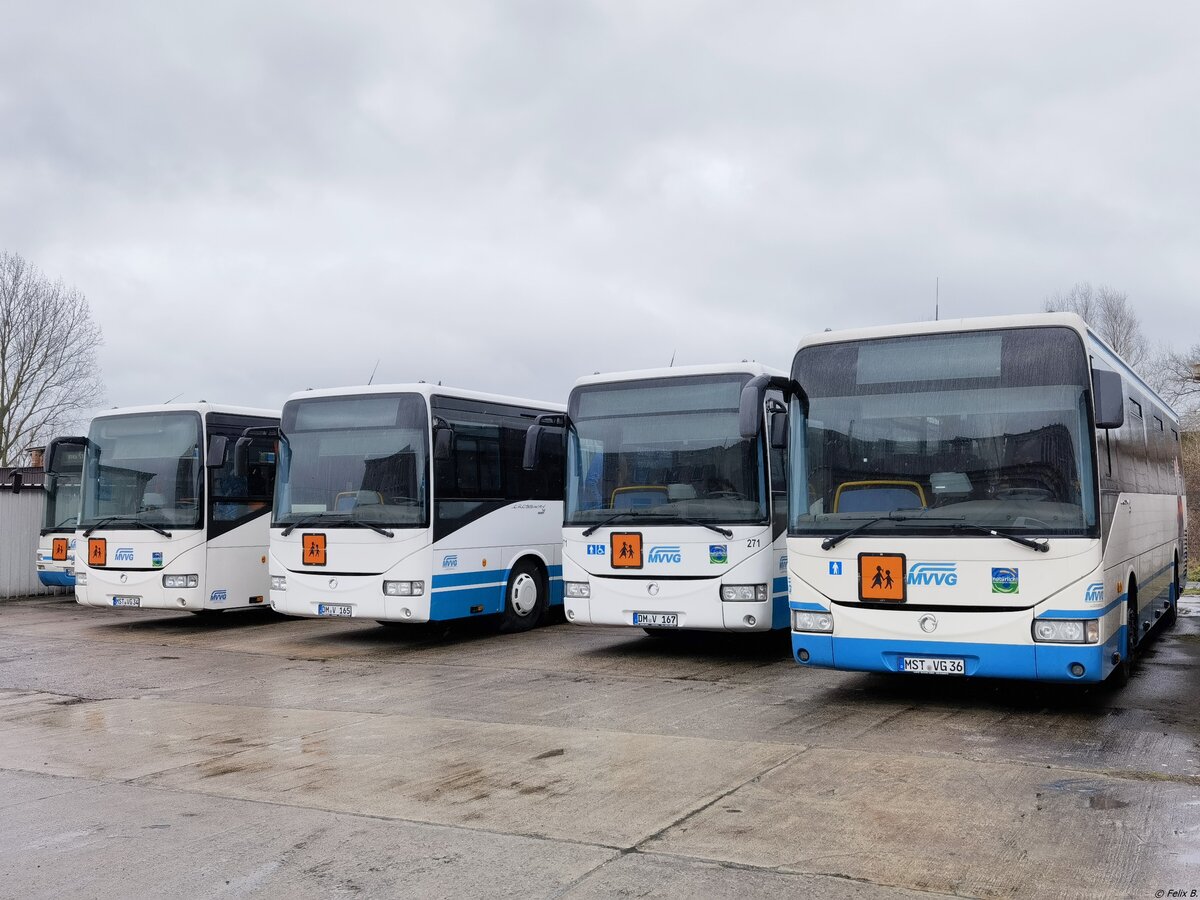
{"type": "Point", "coordinates": [626, 550]}
{"type": "Point", "coordinates": [97, 551]}
{"type": "Point", "coordinates": [58, 549]}
{"type": "Point", "coordinates": [881, 577]}
{"type": "Point", "coordinates": [314, 549]}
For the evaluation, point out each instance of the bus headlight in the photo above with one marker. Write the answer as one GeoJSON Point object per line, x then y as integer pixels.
{"type": "Point", "coordinates": [577, 589]}
{"type": "Point", "coordinates": [811, 621]}
{"type": "Point", "coordinates": [181, 581]}
{"type": "Point", "coordinates": [404, 588]}
{"type": "Point", "coordinates": [750, 592]}
{"type": "Point", "coordinates": [1066, 631]}
{"type": "Point", "coordinates": [279, 582]}
{"type": "Point", "coordinates": [80, 576]}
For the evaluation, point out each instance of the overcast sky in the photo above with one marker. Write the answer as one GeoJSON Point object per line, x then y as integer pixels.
{"type": "Point", "coordinates": [262, 197]}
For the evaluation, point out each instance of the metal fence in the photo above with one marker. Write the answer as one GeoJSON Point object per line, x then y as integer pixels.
{"type": "Point", "coordinates": [20, 523]}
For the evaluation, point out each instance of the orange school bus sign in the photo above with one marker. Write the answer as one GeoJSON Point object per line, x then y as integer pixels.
{"type": "Point", "coordinates": [881, 577]}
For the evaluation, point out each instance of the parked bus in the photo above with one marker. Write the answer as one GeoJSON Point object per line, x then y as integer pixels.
{"type": "Point", "coordinates": [56, 546]}
{"type": "Point", "coordinates": [409, 503]}
{"type": "Point", "coordinates": [992, 497]}
{"type": "Point", "coordinates": [674, 519]}
{"type": "Point", "coordinates": [175, 512]}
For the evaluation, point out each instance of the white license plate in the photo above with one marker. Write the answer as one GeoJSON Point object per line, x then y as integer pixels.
{"type": "Point", "coordinates": [932, 665]}
{"type": "Point", "coordinates": [127, 601]}
{"type": "Point", "coordinates": [656, 620]}
{"type": "Point", "coordinates": [334, 609]}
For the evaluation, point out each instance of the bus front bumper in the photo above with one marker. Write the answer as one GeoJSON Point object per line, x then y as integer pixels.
{"type": "Point", "coordinates": [694, 604]}
{"type": "Point", "coordinates": [1041, 662]}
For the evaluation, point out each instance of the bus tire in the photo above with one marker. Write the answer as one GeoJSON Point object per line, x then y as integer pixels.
{"type": "Point", "coordinates": [1124, 669]}
{"type": "Point", "coordinates": [1170, 616]}
{"type": "Point", "coordinates": [526, 598]}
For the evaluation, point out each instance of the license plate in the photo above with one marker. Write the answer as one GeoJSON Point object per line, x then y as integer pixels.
{"type": "Point", "coordinates": [334, 609]}
{"type": "Point", "coordinates": [127, 601]}
{"type": "Point", "coordinates": [656, 620]}
{"type": "Point", "coordinates": [929, 665]}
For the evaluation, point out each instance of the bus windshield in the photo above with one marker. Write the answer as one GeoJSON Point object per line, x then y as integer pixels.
{"type": "Point", "coordinates": [143, 467]}
{"type": "Point", "coordinates": [62, 490]}
{"type": "Point", "coordinates": [985, 428]}
{"type": "Point", "coordinates": [359, 458]}
{"type": "Point", "coordinates": [666, 447]}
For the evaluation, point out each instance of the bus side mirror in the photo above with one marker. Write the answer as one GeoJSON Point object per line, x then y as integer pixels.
{"type": "Point", "coordinates": [56, 451]}
{"type": "Point", "coordinates": [533, 439]}
{"type": "Point", "coordinates": [18, 480]}
{"type": "Point", "coordinates": [216, 451]}
{"type": "Point", "coordinates": [750, 406]}
{"type": "Point", "coordinates": [1109, 395]}
{"type": "Point", "coordinates": [779, 435]}
{"type": "Point", "coordinates": [443, 441]}
{"type": "Point", "coordinates": [241, 457]}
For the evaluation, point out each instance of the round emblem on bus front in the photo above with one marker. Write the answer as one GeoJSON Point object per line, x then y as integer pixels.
{"type": "Point", "coordinates": [652, 589]}
{"type": "Point", "coordinates": [124, 578]}
{"type": "Point", "coordinates": [332, 583]}
{"type": "Point", "coordinates": [928, 623]}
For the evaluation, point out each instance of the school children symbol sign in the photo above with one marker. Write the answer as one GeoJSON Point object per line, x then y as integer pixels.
{"type": "Point", "coordinates": [625, 551]}
{"type": "Point", "coordinates": [881, 577]}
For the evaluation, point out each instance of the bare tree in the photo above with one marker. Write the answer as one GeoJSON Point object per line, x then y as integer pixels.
{"type": "Point", "coordinates": [48, 368]}
{"type": "Point", "coordinates": [1177, 378]}
{"type": "Point", "coordinates": [1108, 311]}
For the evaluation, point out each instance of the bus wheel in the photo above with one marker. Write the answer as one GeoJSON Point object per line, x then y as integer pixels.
{"type": "Point", "coordinates": [1169, 617]}
{"type": "Point", "coordinates": [1124, 669]}
{"type": "Point", "coordinates": [525, 599]}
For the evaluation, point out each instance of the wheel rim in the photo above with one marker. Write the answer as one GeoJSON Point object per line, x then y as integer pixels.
{"type": "Point", "coordinates": [524, 594]}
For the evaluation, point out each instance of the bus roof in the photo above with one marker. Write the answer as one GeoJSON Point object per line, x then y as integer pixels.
{"type": "Point", "coordinates": [985, 323]}
{"type": "Point", "coordinates": [200, 407]}
{"type": "Point", "coordinates": [740, 368]}
{"type": "Point", "coordinates": [426, 390]}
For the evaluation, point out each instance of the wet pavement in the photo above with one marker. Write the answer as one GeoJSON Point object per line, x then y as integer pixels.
{"type": "Point", "coordinates": [164, 755]}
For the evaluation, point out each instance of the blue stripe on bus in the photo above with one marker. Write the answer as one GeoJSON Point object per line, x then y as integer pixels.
{"type": "Point", "coordinates": [458, 579]}
{"type": "Point", "coordinates": [56, 579]}
{"type": "Point", "coordinates": [1100, 613]}
{"type": "Point", "coordinates": [457, 604]}
{"type": "Point", "coordinates": [1043, 662]}
{"type": "Point", "coordinates": [808, 607]}
{"type": "Point", "coordinates": [779, 585]}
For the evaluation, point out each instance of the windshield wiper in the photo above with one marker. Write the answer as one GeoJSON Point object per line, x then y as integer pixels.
{"type": "Point", "coordinates": [310, 518]}
{"type": "Point", "coordinates": [379, 529]}
{"type": "Point", "coordinates": [126, 519]}
{"type": "Point", "coordinates": [830, 543]}
{"type": "Point", "coordinates": [637, 514]}
{"type": "Point", "coordinates": [1042, 546]}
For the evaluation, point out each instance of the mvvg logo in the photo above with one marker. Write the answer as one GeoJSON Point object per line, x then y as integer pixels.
{"type": "Point", "coordinates": [936, 574]}
{"type": "Point", "coordinates": [219, 596]}
{"type": "Point", "coordinates": [665, 554]}
{"type": "Point", "coordinates": [1094, 593]}
{"type": "Point", "coordinates": [450, 561]}
{"type": "Point", "coordinates": [124, 554]}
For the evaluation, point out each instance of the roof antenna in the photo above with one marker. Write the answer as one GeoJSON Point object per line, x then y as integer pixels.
{"type": "Point", "coordinates": [172, 400]}
{"type": "Point", "coordinates": [937, 296]}
{"type": "Point", "coordinates": [373, 371]}
{"type": "Point", "coordinates": [671, 364]}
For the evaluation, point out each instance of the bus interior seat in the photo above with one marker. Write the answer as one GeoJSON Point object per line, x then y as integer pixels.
{"type": "Point", "coordinates": [681, 492]}
{"type": "Point", "coordinates": [639, 495]}
{"type": "Point", "coordinates": [347, 500]}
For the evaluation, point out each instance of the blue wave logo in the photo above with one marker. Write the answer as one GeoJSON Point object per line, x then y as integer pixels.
{"type": "Point", "coordinates": [124, 554]}
{"type": "Point", "coordinates": [450, 561]}
{"type": "Point", "coordinates": [1006, 581]}
{"type": "Point", "coordinates": [219, 596]}
{"type": "Point", "coordinates": [664, 553]}
{"type": "Point", "coordinates": [936, 574]}
{"type": "Point", "coordinates": [1094, 593]}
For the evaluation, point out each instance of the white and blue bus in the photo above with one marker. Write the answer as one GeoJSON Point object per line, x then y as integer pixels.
{"type": "Point", "coordinates": [676, 500]}
{"type": "Point", "coordinates": [410, 503]}
{"type": "Point", "coordinates": [991, 497]}
{"type": "Point", "coordinates": [56, 546]}
{"type": "Point", "coordinates": [175, 509]}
